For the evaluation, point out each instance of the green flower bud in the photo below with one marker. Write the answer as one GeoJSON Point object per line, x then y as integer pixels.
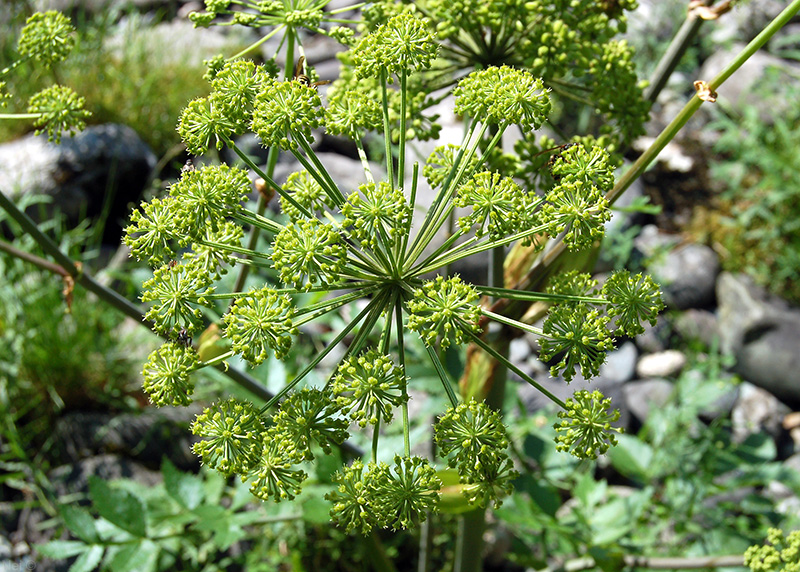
{"type": "Point", "coordinates": [260, 321]}
{"type": "Point", "coordinates": [503, 96]}
{"type": "Point", "coordinates": [166, 374]}
{"type": "Point", "coordinates": [354, 498]}
{"type": "Point", "coordinates": [286, 109]}
{"type": "Point", "coordinates": [232, 432]}
{"type": "Point", "coordinates": [585, 428]}
{"type": "Point", "coordinates": [176, 288]}
{"type": "Point", "coordinates": [377, 214]}
{"type": "Point", "coordinates": [307, 192]}
{"type": "Point", "coordinates": [406, 492]}
{"type": "Point", "coordinates": [307, 416]}
{"type": "Point", "coordinates": [634, 299]}
{"type": "Point", "coordinates": [499, 206]}
{"type": "Point", "coordinates": [204, 121]}
{"type": "Point", "coordinates": [60, 109]}
{"type": "Point", "coordinates": [47, 37]}
{"type": "Point", "coordinates": [581, 334]}
{"type": "Point", "coordinates": [152, 232]}
{"type": "Point", "coordinates": [400, 46]}
{"type": "Point", "coordinates": [578, 208]}
{"type": "Point", "coordinates": [368, 387]}
{"type": "Point", "coordinates": [206, 196]}
{"type": "Point", "coordinates": [272, 476]}
{"type": "Point", "coordinates": [308, 252]}
{"type": "Point", "coordinates": [444, 308]}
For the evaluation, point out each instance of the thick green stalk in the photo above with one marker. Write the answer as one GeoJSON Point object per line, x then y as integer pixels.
{"type": "Point", "coordinates": [252, 241]}
{"type": "Point", "coordinates": [530, 281]}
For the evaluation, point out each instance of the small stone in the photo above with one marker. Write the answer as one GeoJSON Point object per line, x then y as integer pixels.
{"type": "Point", "coordinates": [662, 364]}
{"type": "Point", "coordinates": [643, 395]}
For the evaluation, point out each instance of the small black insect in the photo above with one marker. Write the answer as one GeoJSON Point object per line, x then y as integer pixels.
{"type": "Point", "coordinates": [184, 338]}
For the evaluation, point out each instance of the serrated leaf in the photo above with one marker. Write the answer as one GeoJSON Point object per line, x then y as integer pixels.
{"type": "Point", "coordinates": [80, 523]}
{"type": "Point", "coordinates": [89, 560]}
{"type": "Point", "coordinates": [61, 549]}
{"type": "Point", "coordinates": [136, 557]}
{"type": "Point", "coordinates": [119, 507]}
{"type": "Point", "coordinates": [185, 489]}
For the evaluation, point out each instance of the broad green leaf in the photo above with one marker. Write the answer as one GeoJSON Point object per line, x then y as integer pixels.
{"type": "Point", "coordinates": [186, 489]}
{"type": "Point", "coordinates": [136, 557]}
{"type": "Point", "coordinates": [316, 510]}
{"type": "Point", "coordinates": [119, 507]}
{"type": "Point", "coordinates": [80, 523]}
{"type": "Point", "coordinates": [609, 560]}
{"type": "Point", "coordinates": [61, 549]}
{"type": "Point", "coordinates": [89, 560]}
{"type": "Point", "coordinates": [631, 457]}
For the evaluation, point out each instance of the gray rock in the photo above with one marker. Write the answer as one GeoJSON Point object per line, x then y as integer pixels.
{"type": "Point", "coordinates": [534, 400]}
{"type": "Point", "coordinates": [519, 350]}
{"type": "Point", "coordinates": [699, 325]}
{"type": "Point", "coordinates": [620, 364]}
{"type": "Point", "coordinates": [651, 242]}
{"type": "Point", "coordinates": [687, 276]}
{"type": "Point", "coordinates": [662, 364]}
{"type": "Point", "coordinates": [79, 174]}
{"type": "Point", "coordinates": [643, 395]}
{"type": "Point", "coordinates": [741, 90]}
{"type": "Point", "coordinates": [745, 21]}
{"type": "Point", "coordinates": [755, 411]}
{"type": "Point", "coordinates": [655, 338]}
{"type": "Point", "coordinates": [763, 333]}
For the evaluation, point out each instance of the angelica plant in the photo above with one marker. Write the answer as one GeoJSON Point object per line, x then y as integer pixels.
{"type": "Point", "coordinates": [46, 39]}
{"type": "Point", "coordinates": [357, 247]}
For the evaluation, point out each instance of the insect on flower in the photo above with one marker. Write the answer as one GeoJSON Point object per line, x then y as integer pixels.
{"type": "Point", "coordinates": [184, 338]}
{"type": "Point", "coordinates": [559, 149]}
{"type": "Point", "coordinates": [302, 78]}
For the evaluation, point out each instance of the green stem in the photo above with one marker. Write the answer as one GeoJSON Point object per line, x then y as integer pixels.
{"type": "Point", "coordinates": [387, 129]}
{"type": "Point", "coordinates": [20, 115]}
{"type": "Point", "coordinates": [319, 169]}
{"type": "Point", "coordinates": [677, 47]}
{"type": "Point", "coordinates": [504, 360]}
{"type": "Point", "coordinates": [256, 44]}
{"type": "Point", "coordinates": [277, 397]}
{"type": "Point", "coordinates": [258, 220]}
{"type": "Point", "coordinates": [445, 379]}
{"type": "Point", "coordinates": [398, 318]}
{"type": "Point", "coordinates": [376, 432]}
{"type": "Point", "coordinates": [401, 148]}
{"type": "Point", "coordinates": [252, 241]}
{"type": "Point", "coordinates": [267, 179]}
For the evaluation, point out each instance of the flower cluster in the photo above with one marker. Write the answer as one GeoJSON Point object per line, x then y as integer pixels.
{"type": "Point", "coordinates": [380, 495]}
{"type": "Point", "coordinates": [474, 439]}
{"type": "Point", "coordinates": [48, 37]}
{"type": "Point", "coordinates": [585, 428]}
{"type": "Point", "coordinates": [60, 109]}
{"type": "Point", "coordinates": [782, 554]}
{"type": "Point", "coordinates": [356, 250]}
